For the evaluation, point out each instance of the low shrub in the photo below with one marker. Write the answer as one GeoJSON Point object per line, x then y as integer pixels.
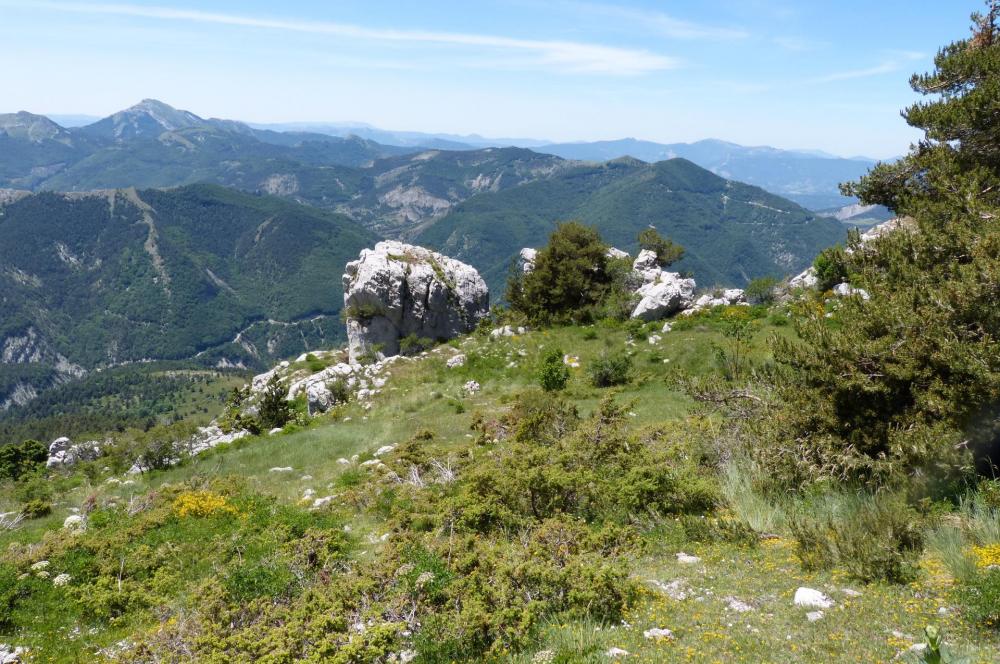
{"type": "Point", "coordinates": [873, 538]}
{"type": "Point", "coordinates": [34, 509]}
{"type": "Point", "coordinates": [981, 598]}
{"type": "Point", "coordinates": [610, 370]}
{"type": "Point", "coordinates": [553, 374]}
{"type": "Point", "coordinates": [411, 344]}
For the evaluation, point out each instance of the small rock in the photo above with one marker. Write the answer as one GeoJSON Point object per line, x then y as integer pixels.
{"type": "Point", "coordinates": [281, 469]}
{"type": "Point", "coordinates": [850, 592]}
{"type": "Point", "coordinates": [658, 633]}
{"type": "Point", "coordinates": [811, 598]}
{"type": "Point", "coordinates": [385, 449]}
{"type": "Point", "coordinates": [74, 522]}
{"type": "Point", "coordinates": [738, 605]}
{"type": "Point", "coordinates": [471, 387]}
{"type": "Point", "coordinates": [813, 616]}
{"type": "Point", "coordinates": [676, 589]}
{"type": "Point", "coordinates": [455, 362]}
{"type": "Point", "coordinates": [274, 431]}
{"type": "Point", "coordinates": [687, 559]}
{"type": "Point", "coordinates": [616, 652]}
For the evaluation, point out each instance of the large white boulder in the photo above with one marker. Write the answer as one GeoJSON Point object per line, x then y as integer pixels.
{"type": "Point", "coordinates": [398, 289]}
{"type": "Point", "coordinates": [663, 296]}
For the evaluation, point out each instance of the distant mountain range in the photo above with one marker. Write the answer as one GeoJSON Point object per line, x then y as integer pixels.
{"type": "Point", "coordinates": [153, 144]}
{"type": "Point", "coordinates": [132, 262]}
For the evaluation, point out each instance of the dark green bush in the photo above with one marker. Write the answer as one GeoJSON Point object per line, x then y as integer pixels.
{"type": "Point", "coordinates": [553, 374]}
{"type": "Point", "coordinates": [34, 509]}
{"type": "Point", "coordinates": [831, 267]}
{"type": "Point", "coordinates": [610, 369]}
{"type": "Point", "coordinates": [274, 410]}
{"type": "Point", "coordinates": [22, 459]}
{"type": "Point", "coordinates": [761, 290]}
{"type": "Point", "coordinates": [411, 344]}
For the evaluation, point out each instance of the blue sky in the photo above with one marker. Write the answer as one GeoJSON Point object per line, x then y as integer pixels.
{"type": "Point", "coordinates": [818, 74]}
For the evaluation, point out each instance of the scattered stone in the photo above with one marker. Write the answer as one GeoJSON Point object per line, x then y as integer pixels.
{"type": "Point", "coordinates": [676, 589]}
{"type": "Point", "coordinates": [850, 592]}
{"type": "Point", "coordinates": [12, 654]}
{"type": "Point", "coordinates": [274, 431]}
{"type": "Point", "coordinates": [455, 362]}
{"type": "Point", "coordinates": [725, 298]}
{"type": "Point", "coordinates": [813, 616]}
{"type": "Point", "coordinates": [281, 469]}
{"type": "Point", "coordinates": [75, 522]}
{"type": "Point", "coordinates": [616, 652]}
{"type": "Point", "coordinates": [847, 290]}
{"type": "Point", "coordinates": [687, 559]}
{"type": "Point", "coordinates": [658, 633]}
{"type": "Point", "coordinates": [812, 599]}
{"type": "Point", "coordinates": [738, 605]}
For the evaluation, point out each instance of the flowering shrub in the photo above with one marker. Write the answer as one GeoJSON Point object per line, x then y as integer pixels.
{"type": "Point", "coordinates": [201, 503]}
{"type": "Point", "coordinates": [987, 556]}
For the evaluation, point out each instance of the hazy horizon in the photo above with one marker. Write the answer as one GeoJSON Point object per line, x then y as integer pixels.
{"type": "Point", "coordinates": [823, 77]}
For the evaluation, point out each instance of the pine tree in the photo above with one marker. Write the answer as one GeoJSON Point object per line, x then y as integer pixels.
{"type": "Point", "coordinates": [905, 383]}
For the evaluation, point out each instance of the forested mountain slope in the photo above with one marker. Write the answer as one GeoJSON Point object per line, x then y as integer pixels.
{"type": "Point", "coordinates": [732, 232]}
{"type": "Point", "coordinates": [201, 272]}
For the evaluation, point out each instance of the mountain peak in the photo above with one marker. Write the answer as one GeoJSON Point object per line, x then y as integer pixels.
{"type": "Point", "coordinates": [147, 119]}
{"type": "Point", "coordinates": [31, 127]}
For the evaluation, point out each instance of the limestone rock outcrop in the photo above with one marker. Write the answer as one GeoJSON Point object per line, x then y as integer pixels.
{"type": "Point", "coordinates": [660, 293]}
{"type": "Point", "coordinates": [397, 289]}
{"type": "Point", "coordinates": [63, 452]}
{"type": "Point", "coordinates": [724, 298]}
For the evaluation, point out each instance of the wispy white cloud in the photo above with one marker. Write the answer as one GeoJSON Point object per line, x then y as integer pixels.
{"type": "Point", "coordinates": [895, 61]}
{"type": "Point", "coordinates": [564, 56]}
{"type": "Point", "coordinates": [664, 24]}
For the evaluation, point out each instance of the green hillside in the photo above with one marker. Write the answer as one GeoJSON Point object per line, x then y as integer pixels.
{"type": "Point", "coordinates": [125, 276]}
{"type": "Point", "coordinates": [732, 232]}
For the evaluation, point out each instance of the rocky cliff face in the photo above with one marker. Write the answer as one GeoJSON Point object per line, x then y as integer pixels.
{"type": "Point", "coordinates": [396, 290]}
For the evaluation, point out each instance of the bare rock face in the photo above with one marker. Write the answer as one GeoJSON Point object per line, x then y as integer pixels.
{"type": "Point", "coordinates": [397, 289]}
